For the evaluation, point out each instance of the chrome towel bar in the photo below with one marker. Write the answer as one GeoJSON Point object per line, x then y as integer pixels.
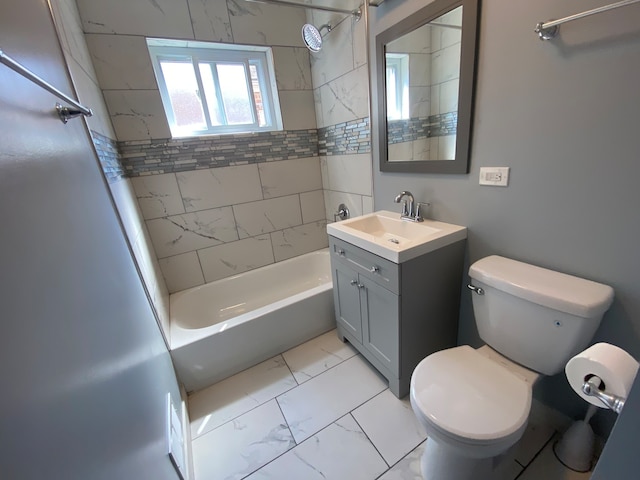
{"type": "Point", "coordinates": [65, 113]}
{"type": "Point", "coordinates": [548, 30]}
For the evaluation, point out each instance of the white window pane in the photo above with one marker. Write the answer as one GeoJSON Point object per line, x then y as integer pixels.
{"type": "Point", "coordinates": [215, 113]}
{"type": "Point", "coordinates": [183, 92]}
{"type": "Point", "coordinates": [235, 96]}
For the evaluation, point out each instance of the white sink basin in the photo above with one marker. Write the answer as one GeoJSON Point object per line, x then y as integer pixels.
{"type": "Point", "coordinates": [386, 235]}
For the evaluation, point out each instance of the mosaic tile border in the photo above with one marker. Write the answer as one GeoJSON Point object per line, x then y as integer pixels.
{"type": "Point", "coordinates": [345, 138]}
{"type": "Point", "coordinates": [107, 150]}
{"type": "Point", "coordinates": [147, 157]}
{"type": "Point", "coordinates": [400, 131]}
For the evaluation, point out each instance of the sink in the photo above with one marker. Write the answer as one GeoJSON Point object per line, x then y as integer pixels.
{"type": "Point", "coordinates": [385, 234]}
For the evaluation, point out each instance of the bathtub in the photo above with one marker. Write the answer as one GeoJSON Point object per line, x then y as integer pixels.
{"type": "Point", "coordinates": [226, 326]}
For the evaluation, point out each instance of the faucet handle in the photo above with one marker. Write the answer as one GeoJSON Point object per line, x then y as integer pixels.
{"type": "Point", "coordinates": [418, 211]}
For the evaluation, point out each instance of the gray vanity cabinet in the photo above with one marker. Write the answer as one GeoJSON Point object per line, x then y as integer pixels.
{"type": "Point", "coordinates": [368, 312]}
{"type": "Point", "coordinates": [396, 314]}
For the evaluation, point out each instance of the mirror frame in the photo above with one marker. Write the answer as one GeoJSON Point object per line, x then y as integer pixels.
{"type": "Point", "coordinates": [468, 56]}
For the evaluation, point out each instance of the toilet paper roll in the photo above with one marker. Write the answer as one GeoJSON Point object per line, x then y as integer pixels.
{"type": "Point", "coordinates": [615, 367]}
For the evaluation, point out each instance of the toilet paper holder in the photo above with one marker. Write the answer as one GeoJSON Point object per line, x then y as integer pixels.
{"type": "Point", "coordinates": [591, 387]}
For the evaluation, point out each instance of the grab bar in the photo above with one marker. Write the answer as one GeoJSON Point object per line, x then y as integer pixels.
{"type": "Point", "coordinates": [65, 113]}
{"type": "Point", "coordinates": [548, 30]}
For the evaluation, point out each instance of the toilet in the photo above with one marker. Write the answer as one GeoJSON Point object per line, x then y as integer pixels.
{"type": "Point", "coordinates": [474, 403]}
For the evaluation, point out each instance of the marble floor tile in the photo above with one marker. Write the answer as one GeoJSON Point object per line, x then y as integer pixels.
{"type": "Point", "coordinates": [318, 355]}
{"type": "Point", "coordinates": [408, 468]}
{"type": "Point", "coordinates": [339, 452]}
{"type": "Point", "coordinates": [535, 437]}
{"type": "Point", "coordinates": [322, 400]}
{"type": "Point", "coordinates": [546, 466]}
{"type": "Point", "coordinates": [219, 403]}
{"type": "Point", "coordinates": [394, 434]}
{"type": "Point", "coordinates": [240, 447]}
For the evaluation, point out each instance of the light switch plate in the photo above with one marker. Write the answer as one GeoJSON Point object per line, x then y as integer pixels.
{"type": "Point", "coordinates": [496, 176]}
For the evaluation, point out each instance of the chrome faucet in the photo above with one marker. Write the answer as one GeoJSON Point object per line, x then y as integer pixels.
{"type": "Point", "coordinates": [410, 208]}
{"type": "Point", "coordinates": [407, 207]}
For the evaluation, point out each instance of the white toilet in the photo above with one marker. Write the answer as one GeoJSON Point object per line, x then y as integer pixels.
{"type": "Point", "coordinates": [474, 404]}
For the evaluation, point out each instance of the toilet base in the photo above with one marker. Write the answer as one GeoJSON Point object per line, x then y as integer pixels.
{"type": "Point", "coordinates": [442, 463]}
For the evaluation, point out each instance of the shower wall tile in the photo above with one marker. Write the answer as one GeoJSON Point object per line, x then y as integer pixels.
{"type": "Point", "coordinates": [137, 114]}
{"type": "Point", "coordinates": [293, 70]}
{"type": "Point", "coordinates": [348, 173]}
{"type": "Point", "coordinates": [449, 96]}
{"type": "Point", "coordinates": [267, 216]}
{"type": "Point", "coordinates": [345, 99]}
{"type": "Point", "coordinates": [160, 18]}
{"type": "Point", "coordinates": [402, 151]}
{"type": "Point", "coordinates": [192, 231]}
{"type": "Point", "coordinates": [210, 19]}
{"type": "Point", "coordinates": [216, 187]}
{"type": "Point", "coordinates": [158, 195]}
{"type": "Point", "coordinates": [299, 240]}
{"type": "Point", "coordinates": [312, 204]}
{"type": "Point", "coordinates": [182, 271]}
{"type": "Point", "coordinates": [122, 62]}
{"type": "Point", "coordinates": [419, 70]}
{"type": "Point", "coordinates": [290, 176]}
{"type": "Point", "coordinates": [367, 205]}
{"type": "Point", "coordinates": [352, 201]}
{"type": "Point", "coordinates": [298, 109]}
{"type": "Point", "coordinates": [71, 36]}
{"type": "Point", "coordinates": [446, 64]}
{"type": "Point", "coordinates": [359, 42]}
{"type": "Point", "coordinates": [263, 24]}
{"type": "Point", "coordinates": [420, 101]}
{"type": "Point", "coordinates": [90, 94]}
{"type": "Point", "coordinates": [236, 257]}
{"type": "Point", "coordinates": [326, 66]}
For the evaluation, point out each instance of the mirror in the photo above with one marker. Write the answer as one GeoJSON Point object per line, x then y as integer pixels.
{"type": "Point", "coordinates": [425, 69]}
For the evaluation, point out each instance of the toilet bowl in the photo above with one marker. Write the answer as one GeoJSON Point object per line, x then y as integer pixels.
{"type": "Point", "coordinates": [474, 404]}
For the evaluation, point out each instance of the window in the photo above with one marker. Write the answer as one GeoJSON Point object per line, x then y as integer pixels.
{"type": "Point", "coordinates": [211, 88]}
{"type": "Point", "coordinates": [397, 78]}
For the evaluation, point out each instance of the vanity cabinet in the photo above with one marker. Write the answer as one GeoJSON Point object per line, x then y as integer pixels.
{"type": "Point", "coordinates": [396, 314]}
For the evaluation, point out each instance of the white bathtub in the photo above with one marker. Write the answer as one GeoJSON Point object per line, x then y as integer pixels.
{"type": "Point", "coordinates": [223, 327]}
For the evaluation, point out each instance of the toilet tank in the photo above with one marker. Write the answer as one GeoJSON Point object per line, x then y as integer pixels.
{"type": "Point", "coordinates": [537, 317]}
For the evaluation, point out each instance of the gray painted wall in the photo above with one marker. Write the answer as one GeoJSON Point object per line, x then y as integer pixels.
{"type": "Point", "coordinates": [84, 368]}
{"type": "Point", "coordinates": [564, 116]}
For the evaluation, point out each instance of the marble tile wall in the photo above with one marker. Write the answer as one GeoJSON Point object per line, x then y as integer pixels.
{"type": "Point", "coordinates": [341, 93]}
{"type": "Point", "coordinates": [88, 89]}
{"type": "Point", "coordinates": [210, 224]}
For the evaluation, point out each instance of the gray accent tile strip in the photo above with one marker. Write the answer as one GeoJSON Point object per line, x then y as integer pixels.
{"type": "Point", "coordinates": [345, 138]}
{"type": "Point", "coordinates": [179, 155]}
{"type": "Point", "coordinates": [107, 150]}
{"type": "Point", "coordinates": [400, 131]}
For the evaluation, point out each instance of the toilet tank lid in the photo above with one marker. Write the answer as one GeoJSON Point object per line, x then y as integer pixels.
{"type": "Point", "coordinates": [548, 288]}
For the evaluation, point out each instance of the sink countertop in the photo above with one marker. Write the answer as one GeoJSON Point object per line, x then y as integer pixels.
{"type": "Point", "coordinates": [385, 234]}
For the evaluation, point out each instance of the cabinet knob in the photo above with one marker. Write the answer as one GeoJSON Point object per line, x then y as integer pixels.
{"type": "Point", "coordinates": [341, 252]}
{"type": "Point", "coordinates": [360, 285]}
{"type": "Point", "coordinates": [353, 282]}
{"type": "Point", "coordinates": [375, 269]}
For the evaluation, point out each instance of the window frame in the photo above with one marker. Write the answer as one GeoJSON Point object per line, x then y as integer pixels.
{"type": "Point", "coordinates": [399, 63]}
{"type": "Point", "coordinates": [198, 53]}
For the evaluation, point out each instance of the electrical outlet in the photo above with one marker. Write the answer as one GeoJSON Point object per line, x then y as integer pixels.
{"type": "Point", "coordinates": [496, 176]}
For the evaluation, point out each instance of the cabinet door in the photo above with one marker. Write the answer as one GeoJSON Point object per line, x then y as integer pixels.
{"type": "Point", "coordinates": [346, 297]}
{"type": "Point", "coordinates": [380, 323]}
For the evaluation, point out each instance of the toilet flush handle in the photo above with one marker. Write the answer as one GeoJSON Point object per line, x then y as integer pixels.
{"type": "Point", "coordinates": [478, 290]}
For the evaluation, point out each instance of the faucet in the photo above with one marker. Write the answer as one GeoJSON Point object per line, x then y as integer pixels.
{"type": "Point", "coordinates": [410, 208]}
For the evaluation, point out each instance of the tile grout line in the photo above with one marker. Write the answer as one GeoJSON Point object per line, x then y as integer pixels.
{"type": "Point", "coordinates": [367, 436]}
{"type": "Point", "coordinates": [276, 397]}
{"type": "Point", "coordinates": [524, 469]}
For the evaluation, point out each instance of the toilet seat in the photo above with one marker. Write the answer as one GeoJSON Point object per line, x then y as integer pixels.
{"type": "Point", "coordinates": [469, 398]}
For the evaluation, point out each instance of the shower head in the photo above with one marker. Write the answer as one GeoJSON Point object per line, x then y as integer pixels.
{"type": "Point", "coordinates": [312, 37]}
